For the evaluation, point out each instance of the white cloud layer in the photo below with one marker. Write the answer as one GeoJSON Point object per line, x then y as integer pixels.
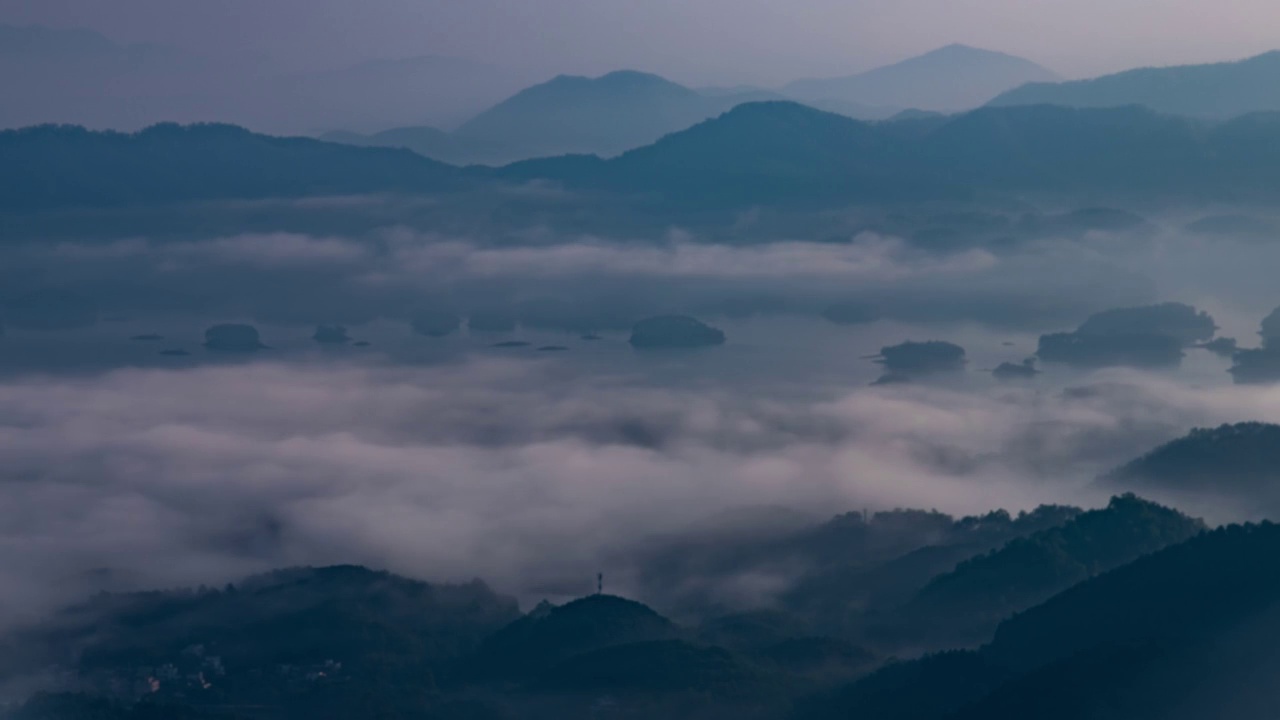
{"type": "Point", "coordinates": [510, 471]}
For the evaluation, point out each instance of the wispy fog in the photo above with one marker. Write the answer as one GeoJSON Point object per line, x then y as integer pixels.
{"type": "Point", "coordinates": [449, 458]}
{"type": "Point", "coordinates": [528, 473]}
{"type": "Point", "coordinates": [511, 470]}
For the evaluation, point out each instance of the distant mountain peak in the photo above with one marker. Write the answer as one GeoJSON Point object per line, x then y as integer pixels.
{"type": "Point", "coordinates": [632, 75]}
{"type": "Point", "coordinates": [955, 49]}
{"type": "Point", "coordinates": [605, 115]}
{"type": "Point", "coordinates": [952, 77]}
{"type": "Point", "coordinates": [773, 108]}
{"type": "Point", "coordinates": [616, 79]}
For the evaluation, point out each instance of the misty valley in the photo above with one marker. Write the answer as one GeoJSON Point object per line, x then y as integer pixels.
{"type": "Point", "coordinates": [422, 388]}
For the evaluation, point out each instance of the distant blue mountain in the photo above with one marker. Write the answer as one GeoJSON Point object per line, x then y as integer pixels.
{"type": "Point", "coordinates": [773, 154]}
{"type": "Point", "coordinates": [956, 77]}
{"type": "Point", "coordinates": [605, 116]}
{"type": "Point", "coordinates": [1220, 90]}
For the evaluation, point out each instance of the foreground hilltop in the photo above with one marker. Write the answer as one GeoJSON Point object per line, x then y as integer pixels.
{"type": "Point", "coordinates": [346, 641]}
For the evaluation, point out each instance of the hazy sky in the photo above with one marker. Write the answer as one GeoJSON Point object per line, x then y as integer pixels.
{"type": "Point", "coordinates": [696, 41]}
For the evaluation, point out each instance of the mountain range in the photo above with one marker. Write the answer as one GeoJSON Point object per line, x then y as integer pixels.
{"type": "Point", "coordinates": [1218, 90]}
{"type": "Point", "coordinates": [602, 116]}
{"type": "Point", "coordinates": [626, 110]}
{"type": "Point", "coordinates": [453, 110]}
{"type": "Point", "coordinates": [82, 77]}
{"type": "Point", "coordinates": [784, 152]}
{"type": "Point", "coordinates": [623, 110]}
{"type": "Point", "coordinates": [772, 153]}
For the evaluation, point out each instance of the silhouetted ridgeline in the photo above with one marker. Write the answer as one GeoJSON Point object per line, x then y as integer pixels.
{"type": "Point", "coordinates": [1230, 459]}
{"type": "Point", "coordinates": [771, 153]}
{"type": "Point", "coordinates": [54, 166]}
{"type": "Point", "coordinates": [965, 605]}
{"type": "Point", "coordinates": [626, 109]}
{"type": "Point", "coordinates": [1183, 633]}
{"type": "Point", "coordinates": [779, 152]}
{"type": "Point", "coordinates": [1143, 614]}
{"type": "Point", "coordinates": [605, 115]}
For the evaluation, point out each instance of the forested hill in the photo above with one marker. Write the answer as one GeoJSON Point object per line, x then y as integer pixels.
{"type": "Point", "coordinates": [778, 152]}
{"type": "Point", "coordinates": [52, 166]}
{"type": "Point", "coordinates": [770, 153]}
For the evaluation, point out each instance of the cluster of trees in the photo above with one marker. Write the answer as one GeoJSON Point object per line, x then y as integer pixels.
{"type": "Point", "coordinates": [1148, 336]}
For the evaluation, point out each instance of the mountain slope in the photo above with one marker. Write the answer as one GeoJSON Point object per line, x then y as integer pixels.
{"type": "Point", "coordinates": [865, 574]}
{"type": "Point", "coordinates": [604, 116]}
{"type": "Point", "coordinates": [1190, 631]}
{"type": "Point", "coordinates": [261, 617]}
{"type": "Point", "coordinates": [773, 153]}
{"type": "Point", "coordinates": [955, 77]}
{"type": "Point", "coordinates": [62, 166]}
{"type": "Point", "coordinates": [1186, 632]}
{"type": "Point", "coordinates": [759, 151]}
{"type": "Point", "coordinates": [542, 639]}
{"type": "Point", "coordinates": [786, 152]}
{"type": "Point", "coordinates": [1240, 462]}
{"type": "Point", "coordinates": [966, 604]}
{"type": "Point", "coordinates": [655, 667]}
{"type": "Point", "coordinates": [1219, 90]}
